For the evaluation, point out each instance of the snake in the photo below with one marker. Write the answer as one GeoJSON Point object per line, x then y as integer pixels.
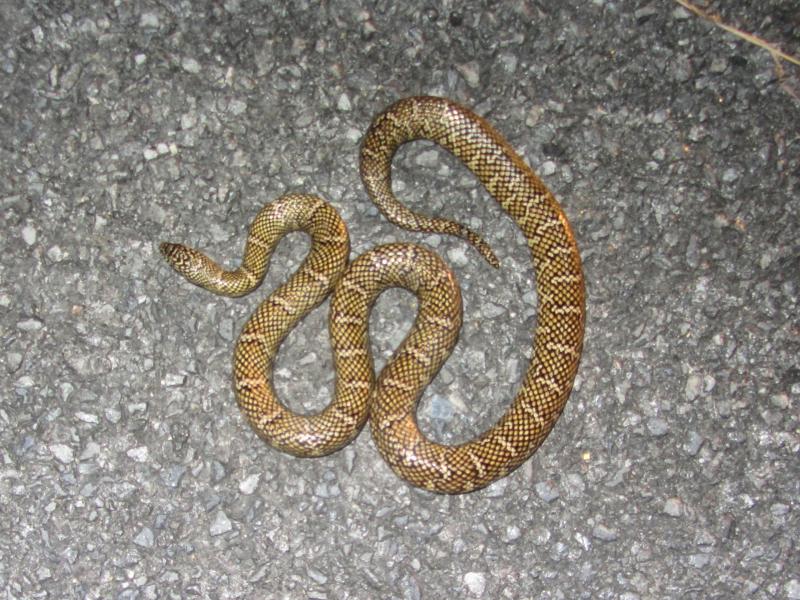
{"type": "Point", "coordinates": [389, 400]}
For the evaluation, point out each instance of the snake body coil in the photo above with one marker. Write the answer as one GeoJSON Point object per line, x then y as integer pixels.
{"type": "Point", "coordinates": [390, 402]}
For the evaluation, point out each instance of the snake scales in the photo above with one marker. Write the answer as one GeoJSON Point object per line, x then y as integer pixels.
{"type": "Point", "coordinates": [390, 401]}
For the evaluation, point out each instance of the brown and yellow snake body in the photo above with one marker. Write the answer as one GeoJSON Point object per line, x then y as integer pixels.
{"type": "Point", "coordinates": [390, 402]}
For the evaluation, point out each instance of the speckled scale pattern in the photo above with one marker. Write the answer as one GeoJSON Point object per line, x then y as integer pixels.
{"type": "Point", "coordinates": [391, 401]}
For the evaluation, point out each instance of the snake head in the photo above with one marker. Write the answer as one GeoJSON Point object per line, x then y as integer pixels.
{"type": "Point", "coordinates": [187, 261]}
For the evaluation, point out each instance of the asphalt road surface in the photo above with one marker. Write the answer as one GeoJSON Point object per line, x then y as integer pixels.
{"type": "Point", "coordinates": [126, 468]}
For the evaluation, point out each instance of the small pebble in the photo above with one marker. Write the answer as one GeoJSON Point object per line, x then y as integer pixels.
{"type": "Point", "coordinates": [174, 380]}
{"type": "Point", "coordinates": [476, 583]}
{"type": "Point", "coordinates": [513, 533]}
{"type": "Point", "coordinates": [62, 452]}
{"type": "Point", "coordinates": [91, 450]}
{"type": "Point", "coordinates": [509, 62]}
{"type": "Point", "coordinates": [603, 533]}
{"type": "Point", "coordinates": [698, 561]}
{"type": "Point", "coordinates": [673, 507]}
{"type": "Point", "coordinates": [470, 72]}
{"type": "Point", "coordinates": [188, 120]}
{"type": "Point", "coordinates": [492, 310]}
{"type": "Point", "coordinates": [221, 524]}
{"type": "Point", "coordinates": [248, 485]}
{"type": "Point", "coordinates": [540, 536]}
{"type": "Point", "coordinates": [32, 324]}
{"type": "Point", "coordinates": [139, 454]}
{"type": "Point", "coordinates": [190, 65]}
{"type": "Point", "coordinates": [317, 576]}
{"type": "Point", "coordinates": [26, 381]}
{"type": "Point", "coordinates": [548, 168]}
{"type": "Point", "coordinates": [547, 490]}
{"type": "Point", "coordinates": [149, 20]}
{"type": "Point", "coordinates": [657, 427]}
{"type": "Point", "coordinates": [659, 116]}
{"type": "Point", "coordinates": [694, 385]}
{"type": "Point", "coordinates": [693, 443]}
{"type": "Point", "coordinates": [144, 538]}
{"type": "Point", "coordinates": [172, 476]}
{"type": "Point", "coordinates": [29, 235]}
{"type": "Point", "coordinates": [457, 256]}
{"type": "Point", "coordinates": [87, 417]}
{"type": "Point", "coordinates": [575, 484]}
{"type": "Point", "coordinates": [428, 158]}
{"type": "Point", "coordinates": [304, 120]}
{"type": "Point", "coordinates": [13, 361]}
{"type": "Point", "coordinates": [780, 401]}
{"type": "Point", "coordinates": [237, 107]}
{"type": "Point", "coordinates": [779, 509]}
{"type": "Point", "coordinates": [730, 175]}
{"type": "Point", "coordinates": [55, 254]}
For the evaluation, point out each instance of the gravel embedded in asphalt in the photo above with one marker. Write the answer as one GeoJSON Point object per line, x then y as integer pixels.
{"type": "Point", "coordinates": [128, 471]}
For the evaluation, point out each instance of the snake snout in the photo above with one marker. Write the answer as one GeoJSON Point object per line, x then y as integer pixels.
{"type": "Point", "coordinates": [168, 249]}
{"type": "Point", "coordinates": [183, 259]}
{"type": "Point", "coordinates": [176, 255]}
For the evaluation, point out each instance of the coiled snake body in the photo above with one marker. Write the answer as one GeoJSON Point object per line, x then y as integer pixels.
{"type": "Point", "coordinates": [390, 401]}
